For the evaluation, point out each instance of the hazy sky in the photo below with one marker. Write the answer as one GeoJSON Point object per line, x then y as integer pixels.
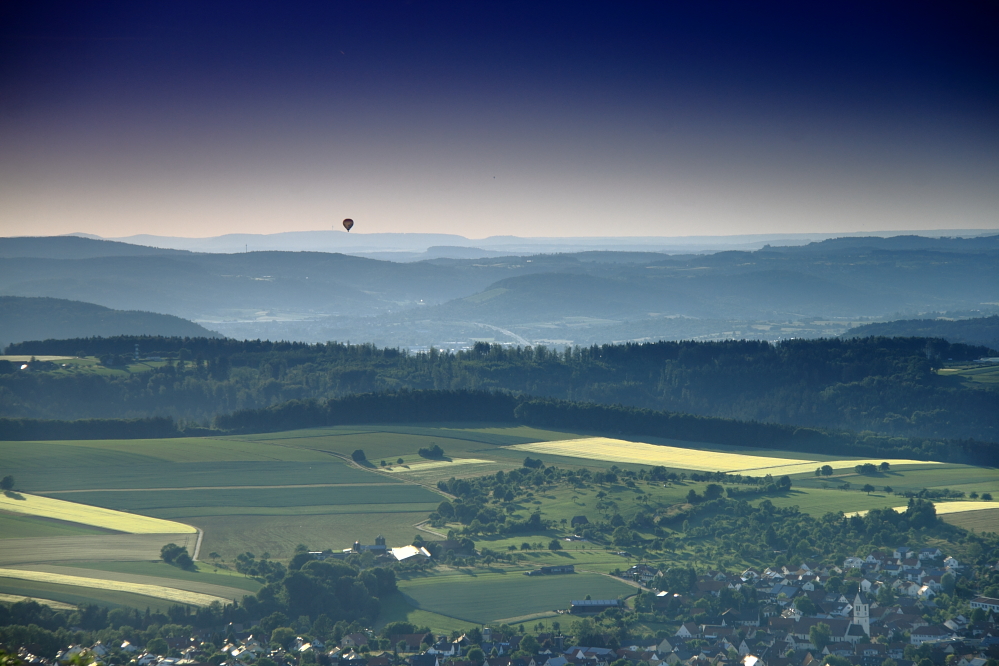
{"type": "Point", "coordinates": [482, 118]}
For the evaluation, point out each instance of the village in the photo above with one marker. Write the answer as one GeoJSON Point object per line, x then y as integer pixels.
{"type": "Point", "coordinates": [876, 610]}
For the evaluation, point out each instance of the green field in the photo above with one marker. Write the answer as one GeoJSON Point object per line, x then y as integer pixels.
{"type": "Point", "coordinates": [142, 501]}
{"type": "Point", "coordinates": [511, 596]}
{"type": "Point", "coordinates": [278, 535]}
{"type": "Point", "coordinates": [75, 595]}
{"type": "Point", "coordinates": [981, 521]}
{"type": "Point", "coordinates": [14, 526]}
{"type": "Point", "coordinates": [205, 574]}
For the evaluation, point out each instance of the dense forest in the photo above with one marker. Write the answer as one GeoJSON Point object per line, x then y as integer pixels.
{"type": "Point", "coordinates": [975, 331]}
{"type": "Point", "coordinates": [883, 385]}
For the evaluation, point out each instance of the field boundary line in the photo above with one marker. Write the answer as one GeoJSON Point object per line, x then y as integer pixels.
{"type": "Point", "coordinates": [152, 490]}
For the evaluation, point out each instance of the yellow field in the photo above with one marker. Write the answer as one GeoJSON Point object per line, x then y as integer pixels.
{"type": "Point", "coordinates": [944, 508]}
{"type": "Point", "coordinates": [157, 591]}
{"type": "Point", "coordinates": [47, 507]}
{"type": "Point", "coordinates": [617, 450]}
{"type": "Point", "coordinates": [55, 605]}
{"type": "Point", "coordinates": [419, 467]}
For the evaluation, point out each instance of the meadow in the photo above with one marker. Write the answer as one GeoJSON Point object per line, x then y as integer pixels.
{"type": "Point", "coordinates": [511, 596]}
{"type": "Point", "coordinates": [15, 526]}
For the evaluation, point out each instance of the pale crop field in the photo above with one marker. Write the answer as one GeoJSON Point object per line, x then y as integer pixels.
{"type": "Point", "coordinates": [55, 605]}
{"type": "Point", "coordinates": [157, 591]}
{"type": "Point", "coordinates": [617, 450]}
{"type": "Point", "coordinates": [944, 508]}
{"type": "Point", "coordinates": [419, 467]}
{"type": "Point", "coordinates": [47, 507]}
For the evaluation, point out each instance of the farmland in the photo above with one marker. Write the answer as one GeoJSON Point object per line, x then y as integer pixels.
{"type": "Point", "coordinates": [84, 514]}
{"type": "Point", "coordinates": [616, 450]}
{"type": "Point", "coordinates": [158, 591]}
{"type": "Point", "coordinates": [268, 493]}
{"type": "Point", "coordinates": [980, 521]}
{"type": "Point", "coordinates": [513, 596]}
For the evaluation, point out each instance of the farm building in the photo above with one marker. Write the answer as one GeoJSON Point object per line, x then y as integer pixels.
{"type": "Point", "coordinates": [547, 571]}
{"type": "Point", "coordinates": [592, 605]}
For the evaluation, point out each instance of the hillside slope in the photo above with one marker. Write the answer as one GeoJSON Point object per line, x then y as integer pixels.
{"type": "Point", "coordinates": [977, 331]}
{"type": "Point", "coordinates": [49, 318]}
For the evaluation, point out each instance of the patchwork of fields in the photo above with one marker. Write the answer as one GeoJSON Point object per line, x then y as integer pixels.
{"type": "Point", "coordinates": [268, 493]}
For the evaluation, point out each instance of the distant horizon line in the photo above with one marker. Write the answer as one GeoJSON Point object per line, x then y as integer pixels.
{"type": "Point", "coordinates": [884, 233]}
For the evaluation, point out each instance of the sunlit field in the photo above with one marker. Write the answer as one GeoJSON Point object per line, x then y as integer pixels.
{"type": "Point", "coordinates": [616, 450]}
{"type": "Point", "coordinates": [47, 507]}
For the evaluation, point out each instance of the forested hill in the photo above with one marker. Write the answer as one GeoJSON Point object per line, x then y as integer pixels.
{"type": "Point", "coordinates": [977, 331]}
{"type": "Point", "coordinates": [884, 385]}
{"type": "Point", "coordinates": [40, 318]}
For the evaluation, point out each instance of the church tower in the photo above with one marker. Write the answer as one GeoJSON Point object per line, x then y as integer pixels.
{"type": "Point", "coordinates": [862, 612]}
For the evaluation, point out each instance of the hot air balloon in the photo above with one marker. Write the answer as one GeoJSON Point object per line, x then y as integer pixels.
{"type": "Point", "coordinates": [347, 224]}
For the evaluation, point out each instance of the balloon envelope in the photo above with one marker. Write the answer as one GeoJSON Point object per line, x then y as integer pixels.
{"type": "Point", "coordinates": [348, 223]}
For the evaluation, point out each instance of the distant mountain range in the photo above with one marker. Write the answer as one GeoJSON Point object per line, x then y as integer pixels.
{"type": "Point", "coordinates": [820, 289]}
{"type": "Point", "coordinates": [420, 246]}
{"type": "Point", "coordinates": [975, 331]}
{"type": "Point", "coordinates": [55, 318]}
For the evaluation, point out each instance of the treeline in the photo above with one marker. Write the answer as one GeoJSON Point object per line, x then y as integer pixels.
{"type": "Point", "coordinates": [884, 385]}
{"type": "Point", "coordinates": [497, 407]}
{"type": "Point", "coordinates": [41, 429]}
{"type": "Point", "coordinates": [430, 406]}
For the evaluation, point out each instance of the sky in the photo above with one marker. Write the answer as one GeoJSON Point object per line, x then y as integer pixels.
{"type": "Point", "coordinates": [488, 118]}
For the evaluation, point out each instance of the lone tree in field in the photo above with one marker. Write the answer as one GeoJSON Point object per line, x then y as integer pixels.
{"type": "Point", "coordinates": [358, 456]}
{"type": "Point", "coordinates": [177, 556]}
{"type": "Point", "coordinates": [868, 488]}
{"type": "Point", "coordinates": [7, 483]}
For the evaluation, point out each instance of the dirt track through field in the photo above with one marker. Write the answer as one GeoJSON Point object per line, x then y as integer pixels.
{"type": "Point", "coordinates": [116, 547]}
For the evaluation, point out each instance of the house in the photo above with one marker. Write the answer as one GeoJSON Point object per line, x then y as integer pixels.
{"type": "Point", "coordinates": [853, 563]}
{"type": "Point", "coordinates": [986, 603]}
{"type": "Point", "coordinates": [932, 632]}
{"type": "Point", "coordinates": [642, 573]}
{"type": "Point", "coordinates": [951, 563]}
{"type": "Point", "coordinates": [688, 630]}
{"type": "Point", "coordinates": [902, 553]}
{"type": "Point", "coordinates": [354, 640]}
{"type": "Point", "coordinates": [414, 642]}
{"type": "Point", "coordinates": [930, 553]}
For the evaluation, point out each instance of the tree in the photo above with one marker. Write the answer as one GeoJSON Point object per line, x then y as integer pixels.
{"type": "Point", "coordinates": [476, 656]}
{"type": "Point", "coordinates": [358, 456]}
{"type": "Point", "coordinates": [529, 644]}
{"type": "Point", "coordinates": [177, 556]}
{"type": "Point", "coordinates": [805, 605]}
{"type": "Point", "coordinates": [827, 470]}
{"type": "Point", "coordinates": [889, 489]}
{"type": "Point", "coordinates": [884, 467]}
{"type": "Point", "coordinates": [7, 483]}
{"type": "Point", "coordinates": [836, 660]}
{"type": "Point", "coordinates": [820, 635]}
{"type": "Point", "coordinates": [283, 636]}
{"type": "Point", "coordinates": [157, 646]}
{"type": "Point", "coordinates": [554, 545]}
{"type": "Point", "coordinates": [868, 488]}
